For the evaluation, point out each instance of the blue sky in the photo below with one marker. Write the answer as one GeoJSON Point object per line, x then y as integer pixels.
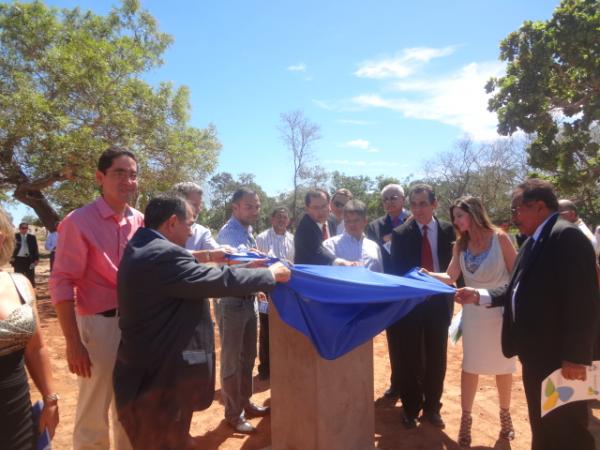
{"type": "Point", "coordinates": [391, 83]}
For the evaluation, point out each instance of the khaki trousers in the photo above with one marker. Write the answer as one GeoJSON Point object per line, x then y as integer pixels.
{"type": "Point", "coordinates": [100, 336]}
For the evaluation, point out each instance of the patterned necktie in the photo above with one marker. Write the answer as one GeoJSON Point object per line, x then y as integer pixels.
{"type": "Point", "coordinates": [325, 232]}
{"type": "Point", "coordinates": [426, 256]}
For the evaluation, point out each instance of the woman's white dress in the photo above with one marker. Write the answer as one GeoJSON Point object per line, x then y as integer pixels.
{"type": "Point", "coordinates": [482, 326]}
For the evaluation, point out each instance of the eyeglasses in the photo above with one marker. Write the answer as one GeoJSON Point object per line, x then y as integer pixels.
{"type": "Point", "coordinates": [391, 198]}
{"type": "Point", "coordinates": [123, 174]}
{"type": "Point", "coordinates": [516, 210]}
{"type": "Point", "coordinates": [339, 204]}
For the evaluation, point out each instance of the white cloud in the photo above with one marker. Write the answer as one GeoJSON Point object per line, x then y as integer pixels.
{"type": "Point", "coordinates": [323, 104]}
{"type": "Point", "coordinates": [403, 64]}
{"type": "Point", "coordinates": [458, 99]}
{"type": "Point", "coordinates": [361, 144]}
{"type": "Point", "coordinates": [355, 122]}
{"type": "Point", "coordinates": [297, 68]}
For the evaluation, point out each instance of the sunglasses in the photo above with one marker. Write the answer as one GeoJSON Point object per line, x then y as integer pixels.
{"type": "Point", "coordinates": [339, 204]}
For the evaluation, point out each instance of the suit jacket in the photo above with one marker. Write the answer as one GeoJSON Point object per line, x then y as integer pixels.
{"type": "Point", "coordinates": [34, 253]}
{"type": "Point", "coordinates": [308, 243]}
{"type": "Point", "coordinates": [557, 301]}
{"type": "Point", "coordinates": [167, 340]}
{"type": "Point", "coordinates": [375, 231]}
{"type": "Point", "coordinates": [406, 249]}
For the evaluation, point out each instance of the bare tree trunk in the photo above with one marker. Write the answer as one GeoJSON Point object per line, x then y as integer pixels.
{"type": "Point", "coordinates": [35, 199]}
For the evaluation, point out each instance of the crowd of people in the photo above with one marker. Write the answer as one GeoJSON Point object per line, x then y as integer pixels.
{"type": "Point", "coordinates": [131, 294]}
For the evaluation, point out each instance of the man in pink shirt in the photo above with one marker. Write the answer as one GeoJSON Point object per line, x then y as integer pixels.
{"type": "Point", "coordinates": [83, 289]}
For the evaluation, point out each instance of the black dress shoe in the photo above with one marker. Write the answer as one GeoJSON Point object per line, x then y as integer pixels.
{"type": "Point", "coordinates": [253, 410]}
{"type": "Point", "coordinates": [434, 419]}
{"type": "Point", "coordinates": [409, 422]}
{"type": "Point", "coordinates": [392, 393]}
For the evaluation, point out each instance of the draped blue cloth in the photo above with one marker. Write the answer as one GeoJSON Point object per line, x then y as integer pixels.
{"type": "Point", "coordinates": [339, 308]}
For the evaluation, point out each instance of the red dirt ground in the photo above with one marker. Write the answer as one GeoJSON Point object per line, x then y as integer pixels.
{"type": "Point", "coordinates": [211, 432]}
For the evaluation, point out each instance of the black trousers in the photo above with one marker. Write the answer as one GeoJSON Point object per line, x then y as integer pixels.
{"type": "Point", "coordinates": [422, 343]}
{"type": "Point", "coordinates": [264, 367]}
{"type": "Point", "coordinates": [564, 428]}
{"type": "Point", "coordinates": [23, 264]}
{"type": "Point", "coordinates": [392, 334]}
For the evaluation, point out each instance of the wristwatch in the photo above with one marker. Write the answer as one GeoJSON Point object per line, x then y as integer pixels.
{"type": "Point", "coordinates": [51, 398]}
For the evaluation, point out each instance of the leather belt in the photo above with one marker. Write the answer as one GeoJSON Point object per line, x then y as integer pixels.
{"type": "Point", "coordinates": [109, 313]}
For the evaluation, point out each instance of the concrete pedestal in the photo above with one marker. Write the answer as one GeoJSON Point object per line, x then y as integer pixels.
{"type": "Point", "coordinates": [318, 404]}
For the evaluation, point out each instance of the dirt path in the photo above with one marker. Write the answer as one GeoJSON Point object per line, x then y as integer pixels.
{"type": "Point", "coordinates": [211, 432]}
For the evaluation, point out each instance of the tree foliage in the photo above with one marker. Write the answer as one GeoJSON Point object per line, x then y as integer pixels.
{"type": "Point", "coordinates": [551, 89]}
{"type": "Point", "coordinates": [487, 170]}
{"type": "Point", "coordinates": [70, 87]}
{"type": "Point", "coordinates": [221, 189]}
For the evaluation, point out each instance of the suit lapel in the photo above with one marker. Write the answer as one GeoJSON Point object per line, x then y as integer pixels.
{"type": "Point", "coordinates": [537, 248]}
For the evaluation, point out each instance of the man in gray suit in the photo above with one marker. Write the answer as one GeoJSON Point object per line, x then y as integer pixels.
{"type": "Point", "coordinates": [165, 370]}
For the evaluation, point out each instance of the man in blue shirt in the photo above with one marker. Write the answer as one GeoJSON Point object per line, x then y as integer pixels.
{"type": "Point", "coordinates": [236, 318]}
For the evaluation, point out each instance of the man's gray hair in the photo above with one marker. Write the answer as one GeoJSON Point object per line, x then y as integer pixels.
{"type": "Point", "coordinates": [392, 187]}
{"type": "Point", "coordinates": [186, 188]}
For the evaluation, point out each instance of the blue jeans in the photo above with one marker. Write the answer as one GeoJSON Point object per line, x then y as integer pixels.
{"type": "Point", "coordinates": [236, 318]}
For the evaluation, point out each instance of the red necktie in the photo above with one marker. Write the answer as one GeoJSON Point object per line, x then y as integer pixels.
{"type": "Point", "coordinates": [426, 256]}
{"type": "Point", "coordinates": [325, 232]}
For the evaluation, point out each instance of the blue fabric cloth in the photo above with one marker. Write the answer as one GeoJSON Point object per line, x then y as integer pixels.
{"type": "Point", "coordinates": [339, 308]}
{"type": "Point", "coordinates": [250, 256]}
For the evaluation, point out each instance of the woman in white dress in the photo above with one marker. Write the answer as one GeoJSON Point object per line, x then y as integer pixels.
{"type": "Point", "coordinates": [485, 256]}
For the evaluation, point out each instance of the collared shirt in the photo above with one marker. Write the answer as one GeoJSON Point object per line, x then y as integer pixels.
{"type": "Point", "coordinates": [201, 239]}
{"type": "Point", "coordinates": [236, 235]}
{"type": "Point", "coordinates": [363, 250]}
{"type": "Point", "coordinates": [91, 242]}
{"type": "Point", "coordinates": [24, 249]}
{"type": "Point", "coordinates": [484, 295]}
{"type": "Point", "coordinates": [432, 235]}
{"type": "Point", "coordinates": [400, 219]}
{"type": "Point", "coordinates": [278, 245]}
{"type": "Point", "coordinates": [588, 233]}
{"type": "Point", "coordinates": [51, 241]}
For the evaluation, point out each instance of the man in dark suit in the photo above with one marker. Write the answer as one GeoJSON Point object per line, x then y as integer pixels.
{"type": "Point", "coordinates": [165, 365]}
{"type": "Point", "coordinates": [422, 335]}
{"type": "Point", "coordinates": [313, 229]}
{"type": "Point", "coordinates": [380, 231]}
{"type": "Point", "coordinates": [551, 308]}
{"type": "Point", "coordinates": [26, 254]}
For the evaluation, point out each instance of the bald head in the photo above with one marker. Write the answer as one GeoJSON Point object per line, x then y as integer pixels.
{"type": "Point", "coordinates": [567, 210]}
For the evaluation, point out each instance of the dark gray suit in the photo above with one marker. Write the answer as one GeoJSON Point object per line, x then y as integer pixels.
{"type": "Point", "coordinates": [557, 305]}
{"type": "Point", "coordinates": [422, 335]}
{"type": "Point", "coordinates": [165, 362]}
{"type": "Point", "coordinates": [308, 243]}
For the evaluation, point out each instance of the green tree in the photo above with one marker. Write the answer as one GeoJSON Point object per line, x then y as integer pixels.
{"type": "Point", "coordinates": [70, 87]}
{"type": "Point", "coordinates": [221, 189]}
{"type": "Point", "coordinates": [551, 89]}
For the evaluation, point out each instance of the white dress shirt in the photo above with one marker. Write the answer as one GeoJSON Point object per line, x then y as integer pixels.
{"type": "Point", "coordinates": [278, 245]}
{"type": "Point", "coordinates": [362, 250]}
{"type": "Point", "coordinates": [201, 239]}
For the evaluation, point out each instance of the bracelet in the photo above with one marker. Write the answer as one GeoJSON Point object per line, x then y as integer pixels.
{"type": "Point", "coordinates": [478, 298]}
{"type": "Point", "coordinates": [51, 398]}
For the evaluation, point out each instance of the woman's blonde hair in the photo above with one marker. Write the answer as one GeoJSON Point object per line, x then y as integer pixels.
{"type": "Point", "coordinates": [479, 218]}
{"type": "Point", "coordinates": [8, 243]}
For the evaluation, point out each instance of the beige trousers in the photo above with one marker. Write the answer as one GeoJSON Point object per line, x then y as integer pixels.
{"type": "Point", "coordinates": [100, 336]}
